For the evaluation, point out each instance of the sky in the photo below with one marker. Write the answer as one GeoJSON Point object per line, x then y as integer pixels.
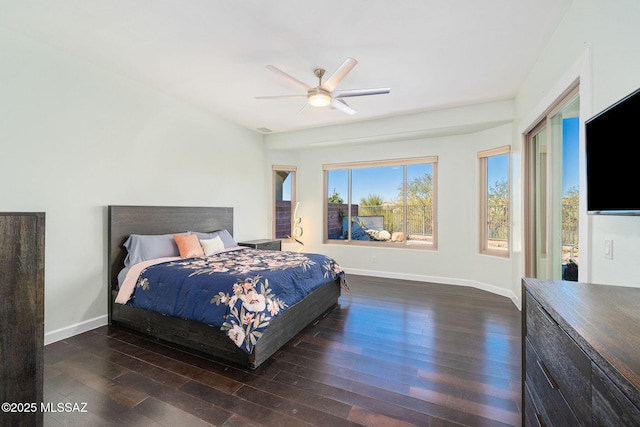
{"type": "Point", "coordinates": [570, 157]}
{"type": "Point", "coordinates": [384, 181]}
{"type": "Point", "coordinates": [498, 165]}
{"type": "Point", "coordinates": [497, 169]}
{"type": "Point", "coordinates": [379, 181]}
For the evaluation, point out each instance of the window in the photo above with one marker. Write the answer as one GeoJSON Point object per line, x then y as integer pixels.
{"type": "Point", "coordinates": [389, 202]}
{"type": "Point", "coordinates": [494, 201]}
{"type": "Point", "coordinates": [284, 204]}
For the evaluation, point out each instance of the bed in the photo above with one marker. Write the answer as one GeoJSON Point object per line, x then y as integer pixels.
{"type": "Point", "coordinates": [124, 221]}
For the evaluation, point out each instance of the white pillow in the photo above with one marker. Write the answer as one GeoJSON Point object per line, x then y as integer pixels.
{"type": "Point", "coordinates": [211, 246]}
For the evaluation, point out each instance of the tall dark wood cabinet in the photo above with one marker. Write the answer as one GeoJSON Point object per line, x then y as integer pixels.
{"type": "Point", "coordinates": [581, 354]}
{"type": "Point", "coordinates": [21, 318]}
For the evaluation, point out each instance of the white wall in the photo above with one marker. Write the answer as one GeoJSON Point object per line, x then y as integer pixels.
{"type": "Point", "coordinates": [455, 136]}
{"type": "Point", "coordinates": [75, 138]}
{"type": "Point", "coordinates": [598, 43]}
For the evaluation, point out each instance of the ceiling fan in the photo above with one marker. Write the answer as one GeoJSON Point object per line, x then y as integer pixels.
{"type": "Point", "coordinates": [324, 94]}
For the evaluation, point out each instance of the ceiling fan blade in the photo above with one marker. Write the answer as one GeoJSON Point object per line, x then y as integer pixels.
{"type": "Point", "coordinates": [303, 109]}
{"type": "Point", "coordinates": [339, 104]}
{"type": "Point", "coordinates": [282, 97]}
{"type": "Point", "coordinates": [360, 92]}
{"type": "Point", "coordinates": [289, 78]}
{"type": "Point", "coordinates": [333, 81]}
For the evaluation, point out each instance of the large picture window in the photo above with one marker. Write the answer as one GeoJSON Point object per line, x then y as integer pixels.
{"type": "Point", "coordinates": [494, 201]}
{"type": "Point", "coordinates": [389, 202]}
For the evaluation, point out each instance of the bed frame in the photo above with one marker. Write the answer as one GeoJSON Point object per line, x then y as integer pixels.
{"type": "Point", "coordinates": [126, 220]}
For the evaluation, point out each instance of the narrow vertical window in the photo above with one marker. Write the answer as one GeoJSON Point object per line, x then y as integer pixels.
{"type": "Point", "coordinates": [284, 200]}
{"type": "Point", "coordinates": [494, 168]}
{"type": "Point", "coordinates": [337, 189]}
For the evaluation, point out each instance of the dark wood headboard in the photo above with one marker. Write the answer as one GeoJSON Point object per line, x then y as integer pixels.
{"type": "Point", "coordinates": [126, 220]}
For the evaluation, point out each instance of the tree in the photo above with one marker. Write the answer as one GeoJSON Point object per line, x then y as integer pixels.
{"type": "Point", "coordinates": [419, 205]}
{"type": "Point", "coordinates": [498, 210]}
{"type": "Point", "coordinates": [570, 216]}
{"type": "Point", "coordinates": [499, 192]}
{"type": "Point", "coordinates": [371, 200]}
{"type": "Point", "coordinates": [419, 191]}
{"type": "Point", "coordinates": [335, 198]}
{"type": "Point", "coordinates": [571, 196]}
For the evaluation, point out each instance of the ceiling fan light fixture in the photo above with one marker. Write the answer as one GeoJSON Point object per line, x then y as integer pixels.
{"type": "Point", "coordinates": [318, 98]}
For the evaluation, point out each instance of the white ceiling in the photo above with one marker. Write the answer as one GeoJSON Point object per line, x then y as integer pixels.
{"type": "Point", "coordinates": [432, 54]}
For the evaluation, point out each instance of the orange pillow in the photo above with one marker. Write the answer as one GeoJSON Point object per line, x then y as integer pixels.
{"type": "Point", "coordinates": [188, 245]}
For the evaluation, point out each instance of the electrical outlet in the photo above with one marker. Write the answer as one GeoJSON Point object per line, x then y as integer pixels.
{"type": "Point", "coordinates": [608, 249]}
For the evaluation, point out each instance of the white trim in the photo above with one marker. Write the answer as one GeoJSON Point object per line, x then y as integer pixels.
{"type": "Point", "coordinates": [96, 322]}
{"type": "Point", "coordinates": [78, 328]}
{"type": "Point", "coordinates": [441, 280]}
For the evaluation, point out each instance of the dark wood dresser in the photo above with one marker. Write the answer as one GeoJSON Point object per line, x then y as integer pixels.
{"type": "Point", "coordinates": [580, 354]}
{"type": "Point", "coordinates": [21, 318]}
{"type": "Point", "coordinates": [266, 244]}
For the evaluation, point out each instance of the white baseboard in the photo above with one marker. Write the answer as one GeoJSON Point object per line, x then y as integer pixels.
{"type": "Point", "coordinates": [443, 280]}
{"type": "Point", "coordinates": [87, 325]}
{"type": "Point", "coordinates": [78, 328]}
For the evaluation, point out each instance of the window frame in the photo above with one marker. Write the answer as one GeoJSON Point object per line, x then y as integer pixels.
{"type": "Point", "coordinates": [404, 162]}
{"type": "Point", "coordinates": [483, 159]}
{"type": "Point", "coordinates": [293, 174]}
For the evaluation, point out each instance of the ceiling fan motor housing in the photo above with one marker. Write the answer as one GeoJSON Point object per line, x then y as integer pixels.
{"type": "Point", "coordinates": [317, 97]}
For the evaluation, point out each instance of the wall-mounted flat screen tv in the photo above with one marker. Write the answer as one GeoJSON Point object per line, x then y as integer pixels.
{"type": "Point", "coordinates": [612, 163]}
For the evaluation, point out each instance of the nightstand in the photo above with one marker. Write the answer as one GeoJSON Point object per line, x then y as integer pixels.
{"type": "Point", "coordinates": [265, 244]}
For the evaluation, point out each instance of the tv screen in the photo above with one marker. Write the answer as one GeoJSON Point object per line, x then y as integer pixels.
{"type": "Point", "coordinates": [612, 165]}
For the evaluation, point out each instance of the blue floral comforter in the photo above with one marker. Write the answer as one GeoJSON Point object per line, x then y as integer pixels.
{"type": "Point", "coordinates": [240, 291]}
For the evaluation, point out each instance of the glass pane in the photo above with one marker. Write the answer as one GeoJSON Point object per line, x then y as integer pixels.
{"type": "Point", "coordinates": [283, 186]}
{"type": "Point", "coordinates": [376, 197]}
{"type": "Point", "coordinates": [570, 189]}
{"type": "Point", "coordinates": [540, 202]}
{"type": "Point", "coordinates": [419, 229]}
{"type": "Point", "coordinates": [564, 198]}
{"type": "Point", "coordinates": [498, 202]}
{"type": "Point", "coordinates": [337, 208]}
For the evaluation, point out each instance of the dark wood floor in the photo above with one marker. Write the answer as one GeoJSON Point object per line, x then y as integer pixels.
{"type": "Point", "coordinates": [395, 353]}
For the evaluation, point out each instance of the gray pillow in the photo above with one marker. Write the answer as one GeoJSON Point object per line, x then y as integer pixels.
{"type": "Point", "coordinates": [142, 247]}
{"type": "Point", "coordinates": [225, 236]}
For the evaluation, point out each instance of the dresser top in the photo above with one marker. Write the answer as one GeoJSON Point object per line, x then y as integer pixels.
{"type": "Point", "coordinates": [604, 320]}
